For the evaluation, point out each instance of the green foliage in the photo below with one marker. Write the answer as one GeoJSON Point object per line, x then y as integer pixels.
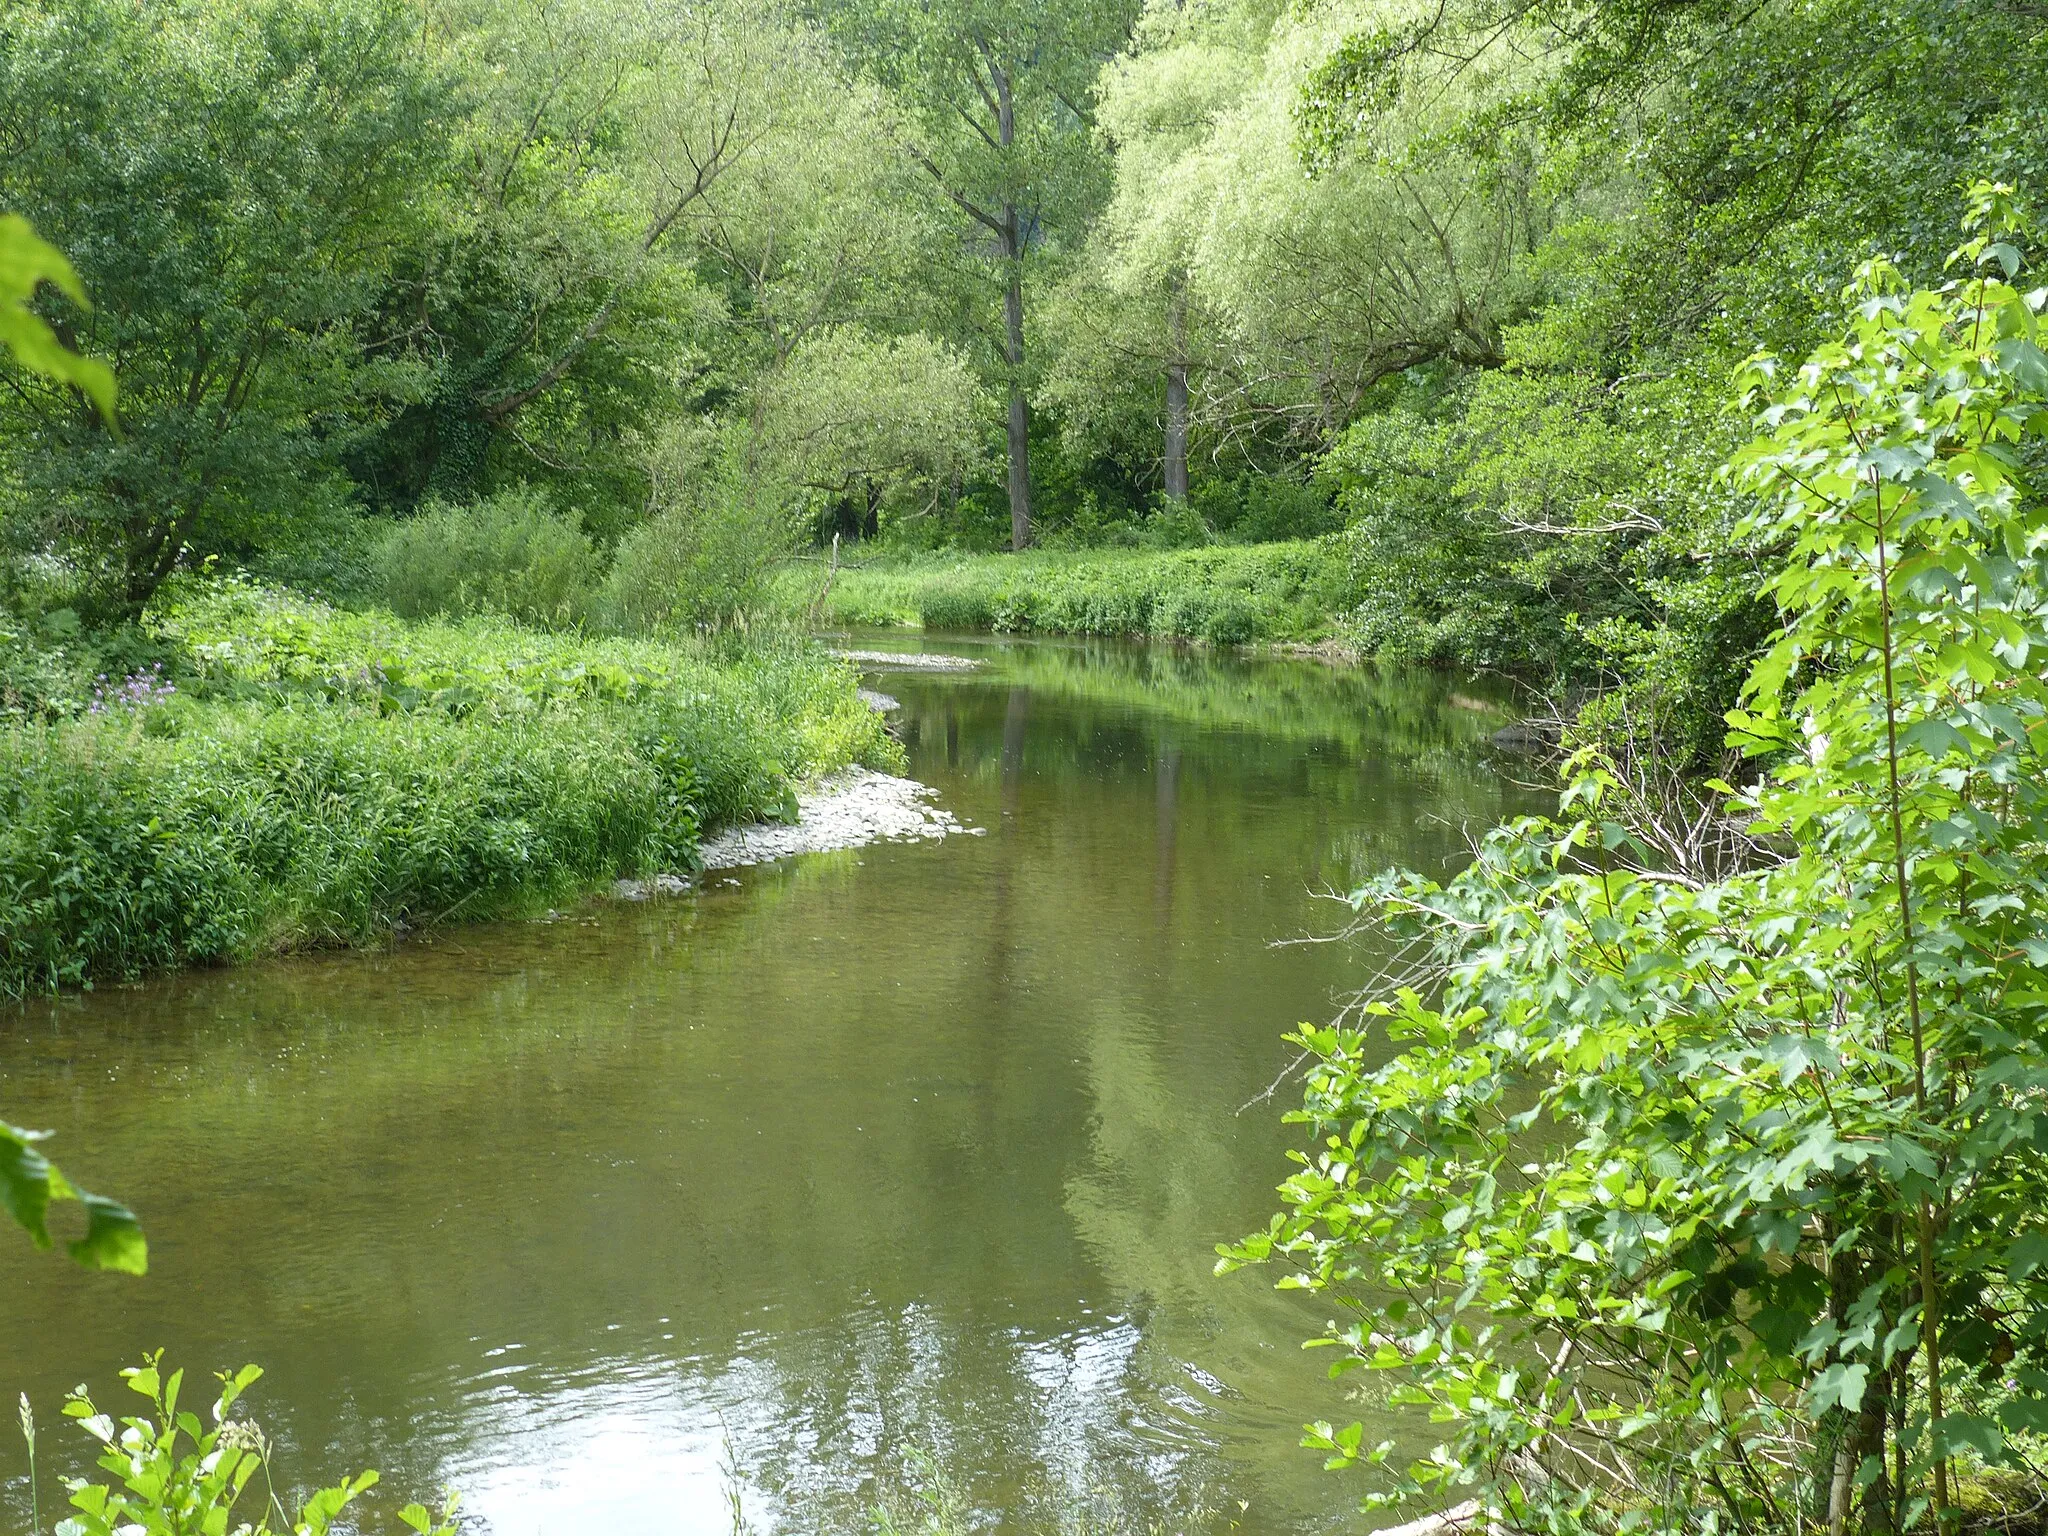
{"type": "Point", "coordinates": [30, 1183]}
{"type": "Point", "coordinates": [1494, 519]}
{"type": "Point", "coordinates": [1226, 595]}
{"type": "Point", "coordinates": [1693, 1202]}
{"type": "Point", "coordinates": [26, 263]}
{"type": "Point", "coordinates": [174, 1475]}
{"type": "Point", "coordinates": [1264, 509]}
{"type": "Point", "coordinates": [230, 181]}
{"type": "Point", "coordinates": [1712, 175]}
{"type": "Point", "coordinates": [324, 777]}
{"type": "Point", "coordinates": [1284, 297]}
{"type": "Point", "coordinates": [510, 553]}
{"type": "Point", "coordinates": [996, 97]}
{"type": "Point", "coordinates": [703, 559]}
{"type": "Point", "coordinates": [902, 414]}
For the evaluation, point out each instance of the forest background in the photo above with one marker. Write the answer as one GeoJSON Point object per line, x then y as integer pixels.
{"type": "Point", "coordinates": [594, 314]}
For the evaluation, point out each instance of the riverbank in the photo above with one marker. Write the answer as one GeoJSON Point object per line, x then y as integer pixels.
{"type": "Point", "coordinates": [301, 777]}
{"type": "Point", "coordinates": [1222, 595]}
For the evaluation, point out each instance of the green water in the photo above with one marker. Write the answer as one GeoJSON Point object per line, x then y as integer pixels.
{"type": "Point", "coordinates": [909, 1150]}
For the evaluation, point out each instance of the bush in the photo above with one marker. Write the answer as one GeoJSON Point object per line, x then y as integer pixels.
{"type": "Point", "coordinates": [1221, 618]}
{"type": "Point", "coordinates": [51, 670]}
{"type": "Point", "coordinates": [255, 827]}
{"type": "Point", "coordinates": [704, 561]}
{"type": "Point", "coordinates": [172, 1473]}
{"type": "Point", "coordinates": [510, 553]}
{"type": "Point", "coordinates": [955, 604]}
{"type": "Point", "coordinates": [1258, 509]}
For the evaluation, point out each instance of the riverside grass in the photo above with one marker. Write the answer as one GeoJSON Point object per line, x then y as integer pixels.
{"type": "Point", "coordinates": [1221, 594]}
{"type": "Point", "coordinates": [323, 778]}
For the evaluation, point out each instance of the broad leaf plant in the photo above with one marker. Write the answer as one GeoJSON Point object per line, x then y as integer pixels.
{"type": "Point", "coordinates": [1690, 1205]}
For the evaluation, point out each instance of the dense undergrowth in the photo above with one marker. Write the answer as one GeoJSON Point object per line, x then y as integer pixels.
{"type": "Point", "coordinates": [299, 776]}
{"type": "Point", "coordinates": [1225, 595]}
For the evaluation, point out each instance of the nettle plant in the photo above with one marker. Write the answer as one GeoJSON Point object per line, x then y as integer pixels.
{"type": "Point", "coordinates": [1696, 1205]}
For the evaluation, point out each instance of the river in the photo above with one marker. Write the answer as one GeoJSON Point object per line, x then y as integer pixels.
{"type": "Point", "coordinates": [829, 1179]}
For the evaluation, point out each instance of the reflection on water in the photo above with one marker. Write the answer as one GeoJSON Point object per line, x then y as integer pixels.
{"type": "Point", "coordinates": [919, 1148]}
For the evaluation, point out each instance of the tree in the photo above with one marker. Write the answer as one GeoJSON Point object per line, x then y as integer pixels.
{"type": "Point", "coordinates": [1270, 290]}
{"type": "Point", "coordinates": [854, 412]}
{"type": "Point", "coordinates": [553, 306]}
{"type": "Point", "coordinates": [1159, 102]}
{"type": "Point", "coordinates": [824, 226]}
{"type": "Point", "coordinates": [997, 96]}
{"type": "Point", "coordinates": [232, 182]}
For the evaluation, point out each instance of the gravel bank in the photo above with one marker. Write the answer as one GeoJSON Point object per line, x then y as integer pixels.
{"type": "Point", "coordinates": [911, 661]}
{"type": "Point", "coordinates": [847, 810]}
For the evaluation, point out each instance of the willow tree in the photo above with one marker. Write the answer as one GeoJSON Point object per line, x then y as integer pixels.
{"type": "Point", "coordinates": [1132, 334]}
{"type": "Point", "coordinates": [1251, 287]}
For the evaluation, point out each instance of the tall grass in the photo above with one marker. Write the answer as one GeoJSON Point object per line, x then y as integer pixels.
{"type": "Point", "coordinates": [324, 778]}
{"type": "Point", "coordinates": [1223, 595]}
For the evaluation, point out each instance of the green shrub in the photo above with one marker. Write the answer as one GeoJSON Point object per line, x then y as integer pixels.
{"type": "Point", "coordinates": [511, 553]}
{"type": "Point", "coordinates": [1219, 617]}
{"type": "Point", "coordinates": [956, 604]}
{"type": "Point", "coordinates": [1262, 508]}
{"type": "Point", "coordinates": [123, 851]}
{"type": "Point", "coordinates": [1690, 1176]}
{"type": "Point", "coordinates": [171, 1473]}
{"type": "Point", "coordinates": [51, 670]}
{"type": "Point", "coordinates": [704, 562]}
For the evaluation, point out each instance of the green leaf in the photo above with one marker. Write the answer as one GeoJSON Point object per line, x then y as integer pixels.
{"type": "Point", "coordinates": [1841, 1384]}
{"type": "Point", "coordinates": [26, 262]}
{"type": "Point", "coordinates": [2027, 1253]}
{"type": "Point", "coordinates": [29, 1184]}
{"type": "Point", "coordinates": [25, 1181]}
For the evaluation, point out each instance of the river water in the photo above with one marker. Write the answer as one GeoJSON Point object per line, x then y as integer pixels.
{"type": "Point", "coordinates": [836, 1179]}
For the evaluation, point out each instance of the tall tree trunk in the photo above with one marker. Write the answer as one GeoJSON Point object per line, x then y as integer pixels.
{"type": "Point", "coordinates": [1013, 332]}
{"type": "Point", "coordinates": [1020, 413]}
{"type": "Point", "coordinates": [1177, 395]}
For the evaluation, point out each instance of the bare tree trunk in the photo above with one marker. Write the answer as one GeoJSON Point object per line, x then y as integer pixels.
{"type": "Point", "coordinates": [1007, 223]}
{"type": "Point", "coordinates": [1177, 396]}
